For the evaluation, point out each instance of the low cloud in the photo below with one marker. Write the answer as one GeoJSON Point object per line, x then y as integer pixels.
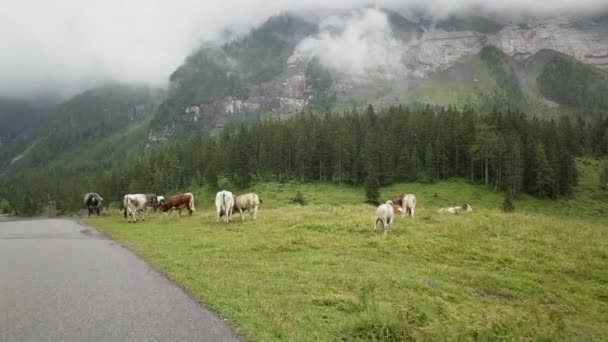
{"type": "Point", "coordinates": [357, 44]}
{"type": "Point", "coordinates": [66, 46]}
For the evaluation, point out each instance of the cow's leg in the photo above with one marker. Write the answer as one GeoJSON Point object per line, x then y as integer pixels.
{"type": "Point", "coordinates": [217, 216]}
{"type": "Point", "coordinates": [242, 215]}
{"type": "Point", "coordinates": [255, 212]}
{"type": "Point", "coordinates": [412, 211]}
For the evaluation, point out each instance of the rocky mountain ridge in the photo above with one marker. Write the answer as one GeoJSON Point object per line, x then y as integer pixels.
{"type": "Point", "coordinates": [418, 49]}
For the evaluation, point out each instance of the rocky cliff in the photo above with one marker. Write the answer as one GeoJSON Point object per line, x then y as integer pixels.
{"type": "Point", "coordinates": [359, 55]}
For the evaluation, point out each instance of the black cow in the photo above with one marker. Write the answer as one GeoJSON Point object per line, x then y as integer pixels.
{"type": "Point", "coordinates": [92, 201]}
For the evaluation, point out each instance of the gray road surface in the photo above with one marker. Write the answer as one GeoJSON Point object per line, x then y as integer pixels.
{"type": "Point", "coordinates": [62, 281]}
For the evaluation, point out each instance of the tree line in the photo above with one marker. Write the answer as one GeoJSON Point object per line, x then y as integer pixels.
{"type": "Point", "coordinates": [505, 151]}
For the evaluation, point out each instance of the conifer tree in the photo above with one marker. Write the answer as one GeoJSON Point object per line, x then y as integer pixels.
{"type": "Point", "coordinates": [543, 172]}
{"type": "Point", "coordinates": [430, 162]}
{"type": "Point", "coordinates": [508, 205]}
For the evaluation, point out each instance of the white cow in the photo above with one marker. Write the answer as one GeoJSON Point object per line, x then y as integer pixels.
{"type": "Point", "coordinates": [160, 202]}
{"type": "Point", "coordinates": [135, 205]}
{"type": "Point", "coordinates": [247, 202]}
{"type": "Point", "coordinates": [224, 203]}
{"type": "Point", "coordinates": [456, 210]}
{"type": "Point", "coordinates": [384, 216]}
{"type": "Point", "coordinates": [409, 205]}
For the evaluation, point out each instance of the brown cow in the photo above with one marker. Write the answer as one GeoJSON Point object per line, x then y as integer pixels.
{"type": "Point", "coordinates": [396, 208]}
{"type": "Point", "coordinates": [179, 202]}
{"type": "Point", "coordinates": [407, 202]}
{"type": "Point", "coordinates": [398, 199]}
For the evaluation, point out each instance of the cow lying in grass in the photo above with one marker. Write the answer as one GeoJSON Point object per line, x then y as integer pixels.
{"type": "Point", "coordinates": [456, 210]}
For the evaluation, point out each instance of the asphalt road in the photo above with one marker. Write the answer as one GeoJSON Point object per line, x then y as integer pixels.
{"type": "Point", "coordinates": [62, 281]}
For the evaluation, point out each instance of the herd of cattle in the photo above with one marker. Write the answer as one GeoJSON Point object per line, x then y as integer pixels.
{"type": "Point", "coordinates": [135, 205]}
{"type": "Point", "coordinates": [406, 205]}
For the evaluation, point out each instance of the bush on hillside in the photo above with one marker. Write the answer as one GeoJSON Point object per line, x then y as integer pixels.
{"type": "Point", "coordinates": [298, 199]}
{"type": "Point", "coordinates": [508, 204]}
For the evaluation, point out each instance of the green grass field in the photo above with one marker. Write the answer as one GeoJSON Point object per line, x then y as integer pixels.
{"type": "Point", "coordinates": [318, 272]}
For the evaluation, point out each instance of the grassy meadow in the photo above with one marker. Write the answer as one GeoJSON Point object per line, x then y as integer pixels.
{"type": "Point", "coordinates": [318, 272]}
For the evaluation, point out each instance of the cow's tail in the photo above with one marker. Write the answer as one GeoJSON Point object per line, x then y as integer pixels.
{"type": "Point", "coordinates": [376, 224]}
{"type": "Point", "coordinates": [191, 203]}
{"type": "Point", "coordinates": [224, 209]}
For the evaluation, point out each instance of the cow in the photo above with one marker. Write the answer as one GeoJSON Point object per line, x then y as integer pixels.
{"type": "Point", "coordinates": [135, 206]}
{"type": "Point", "coordinates": [179, 202]}
{"type": "Point", "coordinates": [409, 205]}
{"type": "Point", "coordinates": [160, 200]}
{"type": "Point", "coordinates": [92, 201]}
{"type": "Point", "coordinates": [247, 202]}
{"type": "Point", "coordinates": [224, 204]}
{"type": "Point", "coordinates": [407, 202]}
{"type": "Point", "coordinates": [152, 201]}
{"type": "Point", "coordinates": [396, 208]}
{"type": "Point", "coordinates": [456, 210]}
{"type": "Point", "coordinates": [384, 216]}
{"type": "Point", "coordinates": [398, 199]}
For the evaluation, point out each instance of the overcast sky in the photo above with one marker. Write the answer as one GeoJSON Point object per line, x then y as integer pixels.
{"type": "Point", "coordinates": [66, 46]}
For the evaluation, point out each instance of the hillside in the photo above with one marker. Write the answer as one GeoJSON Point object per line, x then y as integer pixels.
{"type": "Point", "coordinates": [93, 118]}
{"type": "Point", "coordinates": [236, 81]}
{"type": "Point", "coordinates": [547, 83]}
{"type": "Point", "coordinates": [20, 123]}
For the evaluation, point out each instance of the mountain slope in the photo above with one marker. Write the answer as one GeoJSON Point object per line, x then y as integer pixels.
{"type": "Point", "coordinates": [546, 83]}
{"type": "Point", "coordinates": [474, 59]}
{"type": "Point", "coordinates": [90, 119]}
{"type": "Point", "coordinates": [20, 122]}
{"type": "Point", "coordinates": [216, 85]}
{"type": "Point", "coordinates": [567, 81]}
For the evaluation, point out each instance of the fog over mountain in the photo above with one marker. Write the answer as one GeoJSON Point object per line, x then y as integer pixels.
{"type": "Point", "coordinates": [66, 46]}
